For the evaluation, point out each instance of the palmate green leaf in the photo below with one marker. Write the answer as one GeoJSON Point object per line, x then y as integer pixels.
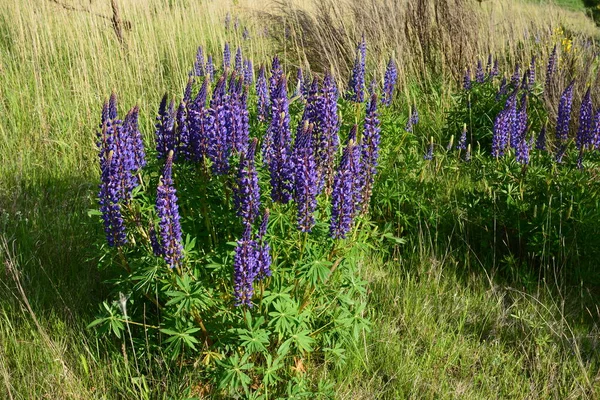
{"type": "Point", "coordinates": [255, 341]}
{"type": "Point", "coordinates": [285, 316]}
{"type": "Point", "coordinates": [316, 272]}
{"type": "Point", "coordinates": [233, 375]}
{"type": "Point", "coordinates": [177, 340]}
{"type": "Point", "coordinates": [301, 340]}
{"type": "Point", "coordinates": [270, 376]}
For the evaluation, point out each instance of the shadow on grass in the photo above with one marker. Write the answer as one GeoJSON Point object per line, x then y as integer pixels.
{"type": "Point", "coordinates": [48, 228]}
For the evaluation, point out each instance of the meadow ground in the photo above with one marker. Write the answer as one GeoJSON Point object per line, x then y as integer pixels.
{"type": "Point", "coordinates": [445, 323]}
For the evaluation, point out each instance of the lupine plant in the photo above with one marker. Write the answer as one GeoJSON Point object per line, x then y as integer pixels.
{"type": "Point", "coordinates": [238, 251]}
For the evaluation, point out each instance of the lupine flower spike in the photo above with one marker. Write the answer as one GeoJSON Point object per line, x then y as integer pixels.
{"type": "Point", "coordinates": [462, 142]}
{"type": "Point", "coordinates": [263, 249]}
{"type": "Point", "coordinates": [168, 213]}
{"type": "Point", "coordinates": [429, 154]}
{"type": "Point", "coordinates": [370, 148]}
{"type": "Point", "coordinates": [305, 174]}
{"type": "Point", "coordinates": [563, 121]}
{"type": "Point", "coordinates": [247, 195]}
{"type": "Point", "coordinates": [389, 82]}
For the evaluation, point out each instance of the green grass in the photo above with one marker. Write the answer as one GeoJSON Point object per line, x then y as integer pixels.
{"type": "Point", "coordinates": [575, 5]}
{"type": "Point", "coordinates": [440, 330]}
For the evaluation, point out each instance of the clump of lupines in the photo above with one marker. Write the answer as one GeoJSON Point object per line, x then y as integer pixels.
{"type": "Point", "coordinates": [389, 82]}
{"type": "Point", "coordinates": [168, 213]}
{"type": "Point", "coordinates": [199, 63]}
{"type": "Point", "coordinates": [263, 249]}
{"type": "Point", "coordinates": [247, 194]}
{"type": "Point", "coordinates": [370, 148]}
{"type": "Point", "coordinates": [505, 126]}
{"type": "Point", "coordinates": [479, 74]}
{"type": "Point", "coordinates": [563, 120]}
{"type": "Point", "coordinates": [262, 94]}
{"type": "Point", "coordinates": [277, 145]}
{"type": "Point", "coordinates": [356, 83]}
{"type": "Point", "coordinates": [346, 194]}
{"type": "Point", "coordinates": [328, 124]}
{"type": "Point", "coordinates": [165, 128]}
{"type": "Point", "coordinates": [551, 67]}
{"type": "Point", "coordinates": [305, 176]}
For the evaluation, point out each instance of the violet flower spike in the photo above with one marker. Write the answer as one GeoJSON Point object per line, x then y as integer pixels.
{"type": "Point", "coordinates": [262, 94]}
{"type": "Point", "coordinates": [244, 270]}
{"type": "Point", "coordinates": [389, 82]}
{"type": "Point", "coordinates": [305, 174]}
{"type": "Point", "coordinates": [199, 63]}
{"type": "Point", "coordinates": [563, 120]}
{"type": "Point", "coordinates": [247, 193]}
{"type": "Point", "coordinates": [479, 74]}
{"type": "Point", "coordinates": [370, 148]}
{"type": "Point", "coordinates": [263, 249]}
{"type": "Point", "coordinates": [168, 213]}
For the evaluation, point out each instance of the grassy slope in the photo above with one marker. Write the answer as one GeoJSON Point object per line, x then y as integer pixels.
{"type": "Point", "coordinates": [431, 326]}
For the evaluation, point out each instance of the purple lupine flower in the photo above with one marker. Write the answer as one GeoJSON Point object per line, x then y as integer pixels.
{"type": "Point", "coordinates": [263, 249]}
{"type": "Point", "coordinates": [187, 92]}
{"type": "Point", "coordinates": [479, 74]}
{"type": "Point", "coordinates": [346, 187]}
{"type": "Point", "coordinates": [307, 83]}
{"type": "Point", "coordinates": [468, 153]}
{"type": "Point", "coordinates": [262, 95]}
{"type": "Point", "coordinates": [112, 106]}
{"type": "Point", "coordinates": [184, 140]}
{"type": "Point", "coordinates": [238, 126]}
{"type": "Point", "coordinates": [467, 80]}
{"type": "Point", "coordinates": [586, 115]}
{"type": "Point", "coordinates": [389, 82]}
{"type": "Point", "coordinates": [165, 128]}
{"type": "Point", "coordinates": [429, 154]}
{"type": "Point", "coordinates": [551, 68]}
{"type": "Point", "coordinates": [210, 68]}
{"type": "Point", "coordinates": [540, 143]}
{"type": "Point", "coordinates": [494, 71]}
{"type": "Point", "coordinates": [522, 151]}
{"type": "Point", "coordinates": [520, 124]}
{"type": "Point", "coordinates": [502, 127]}
{"type": "Point", "coordinates": [563, 120]}
{"type": "Point", "coordinates": [276, 75]}
{"type": "Point", "coordinates": [197, 114]}
{"type": "Point", "coordinates": [226, 57]}
{"type": "Point", "coordinates": [244, 269]}
{"type": "Point", "coordinates": [372, 87]}
{"type": "Point", "coordinates": [370, 148]}
{"type": "Point", "coordinates": [328, 124]}
{"type": "Point", "coordinates": [154, 242]}
{"type": "Point", "coordinates": [133, 133]}
{"type": "Point", "coordinates": [110, 192]}
{"type": "Point", "coordinates": [462, 141]}
{"type": "Point", "coordinates": [515, 80]}
{"type": "Point", "coordinates": [305, 176]}
{"type": "Point", "coordinates": [532, 73]}
{"type": "Point", "coordinates": [248, 72]}
{"type": "Point", "coordinates": [199, 63]}
{"type": "Point", "coordinates": [596, 131]}
{"type": "Point", "coordinates": [299, 83]}
{"type": "Point", "coordinates": [219, 143]}
{"type": "Point", "coordinates": [246, 34]}
{"type": "Point", "coordinates": [168, 212]}
{"type": "Point", "coordinates": [412, 120]}
{"type": "Point", "coordinates": [277, 146]}
{"type": "Point", "coordinates": [247, 194]}
{"type": "Point", "coordinates": [356, 83]}
{"type": "Point", "coordinates": [239, 65]}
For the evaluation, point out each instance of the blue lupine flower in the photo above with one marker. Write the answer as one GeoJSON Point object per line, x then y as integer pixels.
{"type": "Point", "coordinates": [328, 127]}
{"type": "Point", "coordinates": [462, 141]}
{"type": "Point", "coordinates": [563, 120]}
{"type": "Point", "coordinates": [219, 143]}
{"type": "Point", "coordinates": [165, 128]}
{"type": "Point", "coordinates": [540, 144]}
{"type": "Point", "coordinates": [467, 80]}
{"type": "Point", "coordinates": [494, 72]}
{"type": "Point", "coordinates": [277, 146]}
{"type": "Point", "coordinates": [429, 154]}
{"type": "Point", "coordinates": [247, 194]}
{"type": "Point", "coordinates": [199, 63]}
{"type": "Point", "coordinates": [244, 269]}
{"type": "Point", "coordinates": [479, 74]}
{"type": "Point", "coordinates": [262, 93]}
{"type": "Point", "coordinates": [305, 177]}
{"type": "Point", "coordinates": [516, 77]}
{"type": "Point", "coordinates": [248, 72]}
{"type": "Point", "coordinates": [596, 131]}
{"type": "Point", "coordinates": [586, 115]}
{"type": "Point", "coordinates": [276, 75]}
{"type": "Point", "coordinates": [389, 82]}
{"type": "Point", "coordinates": [346, 189]}
{"type": "Point", "coordinates": [532, 73]}
{"type": "Point", "coordinates": [210, 68]}
{"type": "Point", "coordinates": [356, 83]}
{"type": "Point", "coordinates": [168, 213]}
{"type": "Point", "coordinates": [299, 83]}
{"type": "Point", "coordinates": [263, 249]}
{"type": "Point", "coordinates": [239, 66]}
{"type": "Point", "coordinates": [370, 148]}
{"type": "Point", "coordinates": [226, 57]}
{"type": "Point", "coordinates": [412, 120]}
